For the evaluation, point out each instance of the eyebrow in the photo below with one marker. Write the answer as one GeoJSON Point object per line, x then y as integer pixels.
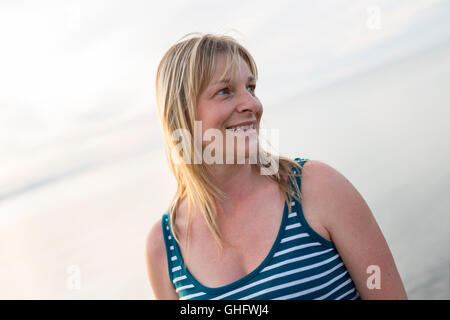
{"type": "Point", "coordinates": [228, 80]}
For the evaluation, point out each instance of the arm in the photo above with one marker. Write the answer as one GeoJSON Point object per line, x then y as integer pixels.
{"type": "Point", "coordinates": [156, 261]}
{"type": "Point", "coordinates": [354, 231]}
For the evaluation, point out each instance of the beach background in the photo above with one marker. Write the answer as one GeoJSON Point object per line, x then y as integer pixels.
{"type": "Point", "coordinates": [363, 86]}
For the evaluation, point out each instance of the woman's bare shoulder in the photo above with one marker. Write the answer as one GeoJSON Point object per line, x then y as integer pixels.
{"type": "Point", "coordinates": [319, 169]}
{"type": "Point", "coordinates": [352, 227]}
{"type": "Point", "coordinates": [154, 242]}
{"type": "Point", "coordinates": [313, 178]}
{"type": "Point", "coordinates": [156, 262]}
{"type": "Point", "coordinates": [328, 188]}
{"type": "Point", "coordinates": [326, 191]}
{"type": "Point", "coordinates": [319, 178]}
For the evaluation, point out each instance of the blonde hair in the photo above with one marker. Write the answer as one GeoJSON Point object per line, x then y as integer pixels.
{"type": "Point", "coordinates": [183, 73]}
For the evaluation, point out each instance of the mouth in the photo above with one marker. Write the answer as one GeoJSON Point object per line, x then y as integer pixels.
{"type": "Point", "coordinates": [243, 127]}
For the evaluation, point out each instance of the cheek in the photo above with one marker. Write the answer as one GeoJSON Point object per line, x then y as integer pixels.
{"type": "Point", "coordinates": [219, 116]}
{"type": "Point", "coordinates": [214, 120]}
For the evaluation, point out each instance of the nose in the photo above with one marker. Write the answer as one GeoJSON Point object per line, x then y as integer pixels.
{"type": "Point", "coordinates": [248, 102]}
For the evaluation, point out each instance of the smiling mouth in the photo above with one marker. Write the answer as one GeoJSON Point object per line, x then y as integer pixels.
{"type": "Point", "coordinates": [244, 128]}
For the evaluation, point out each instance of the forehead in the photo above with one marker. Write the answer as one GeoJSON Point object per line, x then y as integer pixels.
{"type": "Point", "coordinates": [226, 68]}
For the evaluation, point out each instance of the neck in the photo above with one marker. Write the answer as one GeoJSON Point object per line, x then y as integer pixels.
{"type": "Point", "coordinates": [238, 182]}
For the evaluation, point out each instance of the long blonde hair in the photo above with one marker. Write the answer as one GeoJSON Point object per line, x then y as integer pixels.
{"type": "Point", "coordinates": [183, 73]}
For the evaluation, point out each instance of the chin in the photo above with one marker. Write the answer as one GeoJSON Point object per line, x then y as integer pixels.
{"type": "Point", "coordinates": [245, 155]}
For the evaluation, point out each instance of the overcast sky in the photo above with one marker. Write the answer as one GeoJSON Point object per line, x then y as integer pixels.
{"type": "Point", "coordinates": [67, 63]}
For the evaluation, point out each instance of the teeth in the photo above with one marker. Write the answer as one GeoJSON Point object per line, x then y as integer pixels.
{"type": "Point", "coordinates": [238, 128]}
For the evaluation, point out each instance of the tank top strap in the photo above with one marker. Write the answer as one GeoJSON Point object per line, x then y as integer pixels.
{"type": "Point", "coordinates": [301, 162]}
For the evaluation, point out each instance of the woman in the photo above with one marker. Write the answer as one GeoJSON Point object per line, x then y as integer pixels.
{"type": "Point", "coordinates": [268, 228]}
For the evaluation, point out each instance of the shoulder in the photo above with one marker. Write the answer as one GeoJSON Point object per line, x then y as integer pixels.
{"type": "Point", "coordinates": [154, 242]}
{"type": "Point", "coordinates": [352, 228]}
{"type": "Point", "coordinates": [156, 262]}
{"type": "Point", "coordinates": [322, 172]}
{"type": "Point", "coordinates": [333, 197]}
{"type": "Point", "coordinates": [319, 183]}
{"type": "Point", "coordinates": [328, 199]}
{"type": "Point", "coordinates": [155, 251]}
{"type": "Point", "coordinates": [326, 185]}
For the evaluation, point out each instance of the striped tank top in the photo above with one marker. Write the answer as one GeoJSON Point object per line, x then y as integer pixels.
{"type": "Point", "coordinates": [300, 265]}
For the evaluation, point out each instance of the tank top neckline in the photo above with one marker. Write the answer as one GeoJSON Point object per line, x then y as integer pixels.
{"type": "Point", "coordinates": [247, 277]}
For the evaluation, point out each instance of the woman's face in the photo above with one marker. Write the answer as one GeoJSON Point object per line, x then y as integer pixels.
{"type": "Point", "coordinates": [228, 105]}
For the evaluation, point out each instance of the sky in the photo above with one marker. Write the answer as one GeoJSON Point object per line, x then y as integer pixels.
{"type": "Point", "coordinates": [366, 80]}
{"type": "Point", "coordinates": [72, 69]}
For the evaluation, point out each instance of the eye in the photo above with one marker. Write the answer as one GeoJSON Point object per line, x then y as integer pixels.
{"type": "Point", "coordinates": [226, 90]}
